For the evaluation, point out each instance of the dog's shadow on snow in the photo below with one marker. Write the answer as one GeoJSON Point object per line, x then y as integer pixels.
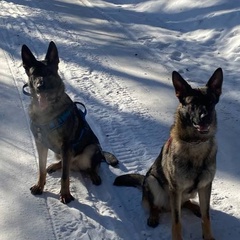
{"type": "Point", "coordinates": [190, 223]}
{"type": "Point", "coordinates": [88, 197]}
{"type": "Point", "coordinates": [86, 214]}
{"type": "Point", "coordinates": [224, 226]}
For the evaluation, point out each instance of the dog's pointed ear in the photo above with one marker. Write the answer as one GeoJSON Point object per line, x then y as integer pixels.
{"type": "Point", "coordinates": [215, 82]}
{"type": "Point", "coordinates": [52, 55]}
{"type": "Point", "coordinates": [28, 58]}
{"type": "Point", "coordinates": [182, 88]}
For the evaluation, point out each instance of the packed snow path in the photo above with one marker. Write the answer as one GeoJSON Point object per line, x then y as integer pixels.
{"type": "Point", "coordinates": [117, 58]}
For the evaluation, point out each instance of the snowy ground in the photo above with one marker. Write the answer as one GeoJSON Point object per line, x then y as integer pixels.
{"type": "Point", "coordinates": [117, 57]}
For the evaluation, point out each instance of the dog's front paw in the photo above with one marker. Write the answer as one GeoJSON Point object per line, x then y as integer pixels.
{"type": "Point", "coordinates": [36, 189]}
{"type": "Point", "coordinates": [152, 222]}
{"type": "Point", "coordinates": [209, 238]}
{"type": "Point", "coordinates": [66, 198]}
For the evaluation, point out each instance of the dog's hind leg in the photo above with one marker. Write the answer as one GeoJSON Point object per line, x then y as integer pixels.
{"type": "Point", "coordinates": [152, 200]}
{"type": "Point", "coordinates": [95, 164]}
{"type": "Point", "coordinates": [148, 203]}
{"type": "Point", "coordinates": [42, 160]}
{"type": "Point", "coordinates": [193, 207]}
{"type": "Point", "coordinates": [96, 180]}
{"type": "Point", "coordinates": [57, 156]}
{"type": "Point", "coordinates": [54, 167]}
{"type": "Point", "coordinates": [89, 161]}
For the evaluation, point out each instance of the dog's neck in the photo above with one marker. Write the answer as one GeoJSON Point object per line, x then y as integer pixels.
{"type": "Point", "coordinates": [189, 134]}
{"type": "Point", "coordinates": [51, 112]}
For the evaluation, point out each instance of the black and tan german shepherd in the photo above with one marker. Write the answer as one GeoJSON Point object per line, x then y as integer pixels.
{"type": "Point", "coordinates": [58, 124]}
{"type": "Point", "coordinates": [187, 162]}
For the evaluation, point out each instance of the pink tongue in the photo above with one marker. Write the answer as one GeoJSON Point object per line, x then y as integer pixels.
{"type": "Point", "coordinates": [203, 128]}
{"type": "Point", "coordinates": [42, 100]}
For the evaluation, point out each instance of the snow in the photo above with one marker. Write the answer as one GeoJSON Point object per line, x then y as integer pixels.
{"type": "Point", "coordinates": [116, 57]}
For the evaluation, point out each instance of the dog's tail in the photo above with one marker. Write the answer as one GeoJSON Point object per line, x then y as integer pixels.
{"type": "Point", "coordinates": [129, 180]}
{"type": "Point", "coordinates": [110, 158]}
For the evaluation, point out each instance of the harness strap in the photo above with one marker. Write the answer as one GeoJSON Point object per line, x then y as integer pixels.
{"type": "Point", "coordinates": [60, 120]}
{"type": "Point", "coordinates": [84, 112]}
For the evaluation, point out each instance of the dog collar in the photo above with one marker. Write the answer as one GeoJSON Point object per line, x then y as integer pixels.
{"type": "Point", "coordinates": [196, 142]}
{"type": "Point", "coordinates": [84, 113]}
{"type": "Point", "coordinates": [169, 142]}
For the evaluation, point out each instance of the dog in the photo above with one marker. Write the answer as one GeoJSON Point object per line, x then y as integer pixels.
{"type": "Point", "coordinates": [186, 164]}
{"type": "Point", "coordinates": [57, 123]}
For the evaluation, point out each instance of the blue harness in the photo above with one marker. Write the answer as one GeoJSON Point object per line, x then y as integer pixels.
{"type": "Point", "coordinates": [41, 131]}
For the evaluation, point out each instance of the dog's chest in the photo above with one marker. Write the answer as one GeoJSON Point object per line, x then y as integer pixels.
{"type": "Point", "coordinates": [193, 165]}
{"type": "Point", "coordinates": [49, 138]}
{"type": "Point", "coordinates": [52, 132]}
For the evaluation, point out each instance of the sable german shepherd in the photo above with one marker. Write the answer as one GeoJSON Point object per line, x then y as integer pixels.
{"type": "Point", "coordinates": [58, 124]}
{"type": "Point", "coordinates": [187, 162]}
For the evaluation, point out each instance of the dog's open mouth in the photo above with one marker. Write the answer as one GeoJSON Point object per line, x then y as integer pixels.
{"type": "Point", "coordinates": [42, 100]}
{"type": "Point", "coordinates": [202, 128]}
